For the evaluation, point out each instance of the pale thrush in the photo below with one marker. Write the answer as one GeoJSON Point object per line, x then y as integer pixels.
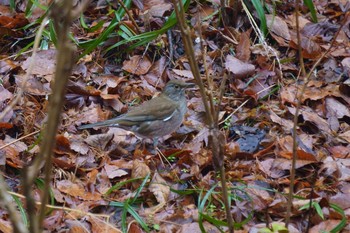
{"type": "Point", "coordinates": [155, 118]}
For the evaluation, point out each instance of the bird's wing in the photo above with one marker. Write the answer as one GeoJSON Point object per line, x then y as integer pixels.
{"type": "Point", "coordinates": [151, 110]}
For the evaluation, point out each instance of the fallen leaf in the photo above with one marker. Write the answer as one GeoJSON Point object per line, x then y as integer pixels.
{"type": "Point", "coordinates": [137, 65]}
{"type": "Point", "coordinates": [5, 226]}
{"type": "Point", "coordinates": [113, 171]}
{"type": "Point", "coordinates": [159, 188]}
{"type": "Point", "coordinates": [238, 68]}
{"type": "Point", "coordinates": [324, 226]}
{"type": "Point", "coordinates": [278, 26]}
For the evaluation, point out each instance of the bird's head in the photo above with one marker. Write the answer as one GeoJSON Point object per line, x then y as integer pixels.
{"type": "Point", "coordinates": [175, 89]}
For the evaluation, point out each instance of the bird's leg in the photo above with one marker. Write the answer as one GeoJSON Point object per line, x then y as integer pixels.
{"type": "Point", "coordinates": [155, 144]}
{"type": "Point", "coordinates": [157, 151]}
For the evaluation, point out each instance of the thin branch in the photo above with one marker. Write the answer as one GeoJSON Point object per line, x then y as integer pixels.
{"type": "Point", "coordinates": [300, 50]}
{"type": "Point", "coordinates": [296, 114]}
{"type": "Point", "coordinates": [216, 137]}
{"type": "Point", "coordinates": [19, 139]}
{"type": "Point", "coordinates": [130, 16]}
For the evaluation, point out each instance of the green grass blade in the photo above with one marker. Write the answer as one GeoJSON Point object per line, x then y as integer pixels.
{"type": "Point", "coordinates": [343, 221]}
{"type": "Point", "coordinates": [119, 185]}
{"type": "Point", "coordinates": [90, 45]}
{"type": "Point", "coordinates": [147, 37]}
{"type": "Point", "coordinates": [137, 217]}
{"type": "Point", "coordinates": [21, 210]}
{"type": "Point", "coordinates": [260, 10]}
{"type": "Point", "coordinates": [140, 188]}
{"type": "Point", "coordinates": [123, 217]}
{"type": "Point", "coordinates": [312, 10]}
{"type": "Point", "coordinates": [201, 206]}
{"type": "Point", "coordinates": [40, 183]}
{"type": "Point", "coordinates": [53, 35]}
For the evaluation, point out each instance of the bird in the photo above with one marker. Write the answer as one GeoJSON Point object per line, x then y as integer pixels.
{"type": "Point", "coordinates": [154, 118]}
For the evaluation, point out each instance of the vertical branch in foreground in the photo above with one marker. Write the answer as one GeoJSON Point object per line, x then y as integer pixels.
{"type": "Point", "coordinates": [216, 137]}
{"type": "Point", "coordinates": [63, 13]}
{"type": "Point", "coordinates": [297, 108]}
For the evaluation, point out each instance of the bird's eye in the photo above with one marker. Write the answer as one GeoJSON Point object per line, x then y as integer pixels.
{"type": "Point", "coordinates": [177, 86]}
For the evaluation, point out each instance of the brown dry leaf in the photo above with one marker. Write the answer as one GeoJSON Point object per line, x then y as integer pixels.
{"type": "Point", "coordinates": [261, 85]}
{"type": "Point", "coordinates": [99, 140]}
{"type": "Point", "coordinates": [79, 146]}
{"type": "Point", "coordinates": [78, 229]}
{"type": "Point", "coordinates": [158, 10]}
{"type": "Point", "coordinates": [287, 125]}
{"type": "Point", "coordinates": [238, 68]}
{"type": "Point", "coordinates": [4, 94]}
{"type": "Point", "coordinates": [101, 225]}
{"type": "Point", "coordinates": [34, 85]}
{"type": "Point", "coordinates": [52, 221]}
{"type": "Point", "coordinates": [346, 63]}
{"type": "Point", "coordinates": [270, 168]}
{"type": "Point", "coordinates": [313, 93]}
{"type": "Point", "coordinates": [194, 228]}
{"type": "Point", "coordinates": [113, 171]}
{"type": "Point", "coordinates": [258, 195]}
{"type": "Point", "coordinates": [324, 226]}
{"type": "Point", "coordinates": [309, 115]}
{"type": "Point", "coordinates": [62, 145]}
{"type": "Point", "coordinates": [113, 101]}
{"type": "Point", "coordinates": [345, 136]}
{"type": "Point", "coordinates": [159, 188]}
{"type": "Point", "coordinates": [122, 135]}
{"type": "Point", "coordinates": [10, 155]}
{"type": "Point", "coordinates": [103, 184]}
{"type": "Point", "coordinates": [301, 155]}
{"type": "Point", "coordinates": [5, 226]}
{"type": "Point", "coordinates": [183, 73]}
{"type": "Point", "coordinates": [243, 47]}
{"type": "Point", "coordinates": [4, 125]}
{"type": "Point", "coordinates": [337, 108]}
{"type": "Point", "coordinates": [340, 151]}
{"type": "Point", "coordinates": [310, 49]}
{"type": "Point", "coordinates": [341, 199]}
{"type": "Point", "coordinates": [19, 146]}
{"type": "Point", "coordinates": [324, 29]}
{"type": "Point", "coordinates": [278, 26]}
{"type": "Point", "coordinates": [91, 114]}
{"type": "Point", "coordinates": [292, 21]}
{"type": "Point", "coordinates": [44, 64]}
{"type": "Point", "coordinates": [137, 64]}
{"type": "Point", "coordinates": [109, 80]}
{"type": "Point", "coordinates": [154, 75]}
{"type": "Point", "coordinates": [135, 228]}
{"type": "Point", "coordinates": [76, 190]}
{"type": "Point", "coordinates": [139, 170]}
{"type": "Point", "coordinates": [16, 21]}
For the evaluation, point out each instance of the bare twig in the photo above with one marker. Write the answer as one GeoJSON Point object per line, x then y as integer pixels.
{"type": "Point", "coordinates": [216, 137]}
{"type": "Point", "coordinates": [300, 50]}
{"type": "Point", "coordinates": [296, 114]}
{"type": "Point", "coordinates": [19, 139]}
{"type": "Point", "coordinates": [63, 14]}
{"type": "Point", "coordinates": [130, 16]}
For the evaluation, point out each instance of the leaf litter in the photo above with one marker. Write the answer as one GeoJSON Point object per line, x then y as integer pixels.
{"type": "Point", "coordinates": [89, 164]}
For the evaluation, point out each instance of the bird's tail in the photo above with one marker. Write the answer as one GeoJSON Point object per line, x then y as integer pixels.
{"type": "Point", "coordinates": [110, 123]}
